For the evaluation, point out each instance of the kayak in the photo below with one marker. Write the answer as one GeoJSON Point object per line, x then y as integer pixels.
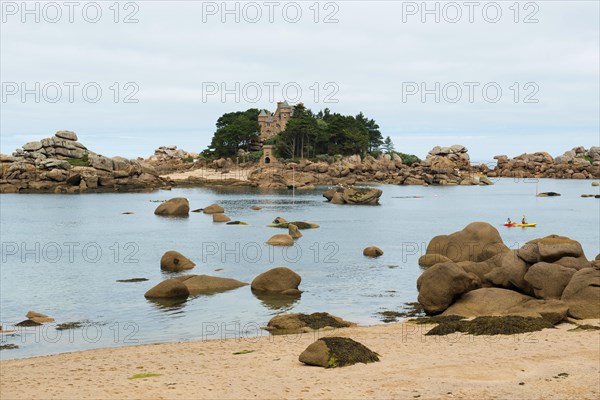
{"type": "Point", "coordinates": [521, 225]}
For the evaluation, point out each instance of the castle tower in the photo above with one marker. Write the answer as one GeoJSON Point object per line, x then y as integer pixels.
{"type": "Point", "coordinates": [272, 124]}
{"type": "Point", "coordinates": [268, 155]}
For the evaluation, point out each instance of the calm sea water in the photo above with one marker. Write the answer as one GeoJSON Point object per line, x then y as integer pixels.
{"type": "Point", "coordinates": [62, 255]}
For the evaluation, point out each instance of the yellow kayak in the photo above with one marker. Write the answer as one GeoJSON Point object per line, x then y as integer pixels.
{"type": "Point", "coordinates": [533, 225]}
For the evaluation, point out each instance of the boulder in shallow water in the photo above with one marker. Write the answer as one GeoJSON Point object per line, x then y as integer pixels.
{"type": "Point", "coordinates": [205, 284]}
{"type": "Point", "coordinates": [356, 196]}
{"type": "Point", "coordinates": [294, 232]}
{"type": "Point", "coordinates": [171, 288]}
{"type": "Point", "coordinates": [174, 261]}
{"type": "Point", "coordinates": [277, 280]}
{"type": "Point", "coordinates": [333, 352]}
{"type": "Point", "coordinates": [213, 209]}
{"type": "Point", "coordinates": [39, 317]}
{"type": "Point", "coordinates": [280, 220]}
{"type": "Point", "coordinates": [372, 251]}
{"type": "Point", "coordinates": [220, 217]}
{"type": "Point", "coordinates": [281, 240]}
{"type": "Point", "coordinates": [177, 207]}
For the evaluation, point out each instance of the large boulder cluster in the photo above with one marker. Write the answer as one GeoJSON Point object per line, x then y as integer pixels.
{"type": "Point", "coordinates": [578, 163]}
{"type": "Point", "coordinates": [61, 164]}
{"type": "Point", "coordinates": [472, 273]}
{"type": "Point", "coordinates": [443, 166]}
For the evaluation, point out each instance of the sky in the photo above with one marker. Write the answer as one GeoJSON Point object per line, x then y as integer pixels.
{"type": "Point", "coordinates": [129, 77]}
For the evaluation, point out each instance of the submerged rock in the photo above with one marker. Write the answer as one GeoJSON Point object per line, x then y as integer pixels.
{"type": "Point", "coordinates": [220, 217]}
{"type": "Point", "coordinates": [213, 209]}
{"type": "Point", "coordinates": [333, 352]}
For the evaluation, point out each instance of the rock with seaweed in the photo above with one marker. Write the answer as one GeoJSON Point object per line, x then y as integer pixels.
{"type": "Point", "coordinates": [334, 352]}
{"type": "Point", "coordinates": [295, 323]}
{"type": "Point", "coordinates": [491, 325]}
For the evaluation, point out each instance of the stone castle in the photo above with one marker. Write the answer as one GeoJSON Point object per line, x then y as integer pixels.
{"type": "Point", "coordinates": [272, 124]}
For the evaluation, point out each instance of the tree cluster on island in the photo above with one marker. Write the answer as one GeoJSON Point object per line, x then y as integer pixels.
{"type": "Point", "coordinates": [307, 135]}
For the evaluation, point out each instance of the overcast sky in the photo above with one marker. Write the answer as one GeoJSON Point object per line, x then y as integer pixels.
{"type": "Point", "coordinates": [374, 57]}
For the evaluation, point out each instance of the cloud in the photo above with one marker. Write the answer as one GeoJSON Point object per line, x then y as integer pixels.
{"type": "Point", "coordinates": [370, 55]}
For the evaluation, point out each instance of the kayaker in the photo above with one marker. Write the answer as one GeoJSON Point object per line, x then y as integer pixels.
{"type": "Point", "coordinates": [508, 222]}
{"type": "Point", "coordinates": [523, 221]}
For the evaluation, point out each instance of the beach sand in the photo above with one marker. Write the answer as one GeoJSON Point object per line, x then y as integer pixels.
{"type": "Point", "coordinates": [551, 364]}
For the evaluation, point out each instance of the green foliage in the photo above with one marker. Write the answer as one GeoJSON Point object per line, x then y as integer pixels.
{"type": "Point", "coordinates": [408, 159]}
{"type": "Point", "coordinates": [79, 162]}
{"type": "Point", "coordinates": [236, 130]}
{"type": "Point", "coordinates": [388, 145]}
{"type": "Point", "coordinates": [254, 156]}
{"type": "Point", "coordinates": [309, 135]}
{"type": "Point", "coordinates": [188, 159]}
{"type": "Point", "coordinates": [588, 158]}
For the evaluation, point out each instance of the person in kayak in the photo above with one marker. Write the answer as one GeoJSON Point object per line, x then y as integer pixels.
{"type": "Point", "coordinates": [508, 222]}
{"type": "Point", "coordinates": [523, 221]}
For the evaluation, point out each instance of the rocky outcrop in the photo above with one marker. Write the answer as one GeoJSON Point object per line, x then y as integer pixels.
{"type": "Point", "coordinates": [441, 284]}
{"type": "Point", "coordinates": [582, 293]}
{"type": "Point", "coordinates": [278, 280]}
{"type": "Point", "coordinates": [61, 164]}
{"type": "Point", "coordinates": [503, 302]}
{"type": "Point", "coordinates": [296, 323]}
{"type": "Point", "coordinates": [174, 261]}
{"type": "Point", "coordinates": [545, 277]}
{"type": "Point", "coordinates": [352, 195]}
{"type": "Point", "coordinates": [478, 241]}
{"type": "Point", "coordinates": [443, 166]}
{"type": "Point", "coordinates": [578, 163]}
{"type": "Point", "coordinates": [333, 352]}
{"type": "Point", "coordinates": [175, 207]}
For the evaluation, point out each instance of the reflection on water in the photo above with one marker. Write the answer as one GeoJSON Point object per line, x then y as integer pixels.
{"type": "Point", "coordinates": [277, 302]}
{"type": "Point", "coordinates": [170, 305]}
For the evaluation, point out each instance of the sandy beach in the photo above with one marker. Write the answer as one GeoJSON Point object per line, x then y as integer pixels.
{"type": "Point", "coordinates": [551, 364]}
